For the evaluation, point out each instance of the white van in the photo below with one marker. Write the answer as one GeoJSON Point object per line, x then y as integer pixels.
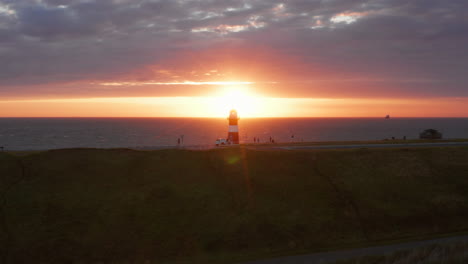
{"type": "Point", "coordinates": [221, 142]}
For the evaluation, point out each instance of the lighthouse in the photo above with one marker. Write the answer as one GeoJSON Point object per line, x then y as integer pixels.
{"type": "Point", "coordinates": [233, 132]}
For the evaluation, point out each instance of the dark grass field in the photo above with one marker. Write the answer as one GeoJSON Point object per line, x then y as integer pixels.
{"type": "Point", "coordinates": [223, 205]}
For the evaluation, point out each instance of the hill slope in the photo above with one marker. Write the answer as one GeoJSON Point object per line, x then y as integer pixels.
{"type": "Point", "coordinates": [176, 205]}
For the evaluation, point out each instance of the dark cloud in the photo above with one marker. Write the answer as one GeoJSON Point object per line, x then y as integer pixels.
{"type": "Point", "coordinates": [332, 48]}
{"type": "Point", "coordinates": [45, 22]}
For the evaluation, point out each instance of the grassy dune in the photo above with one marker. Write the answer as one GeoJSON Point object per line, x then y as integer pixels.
{"type": "Point", "coordinates": [223, 205]}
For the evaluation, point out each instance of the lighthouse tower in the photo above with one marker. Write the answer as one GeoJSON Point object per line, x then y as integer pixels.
{"type": "Point", "coordinates": [233, 133]}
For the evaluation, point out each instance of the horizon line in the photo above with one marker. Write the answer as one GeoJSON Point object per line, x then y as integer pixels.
{"type": "Point", "coordinates": [250, 117]}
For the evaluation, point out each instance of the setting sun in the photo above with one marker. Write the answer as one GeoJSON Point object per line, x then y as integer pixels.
{"type": "Point", "coordinates": [237, 97]}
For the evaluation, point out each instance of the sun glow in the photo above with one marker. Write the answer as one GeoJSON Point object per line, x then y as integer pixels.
{"type": "Point", "coordinates": [219, 104]}
{"type": "Point", "coordinates": [173, 83]}
{"type": "Point", "coordinates": [240, 98]}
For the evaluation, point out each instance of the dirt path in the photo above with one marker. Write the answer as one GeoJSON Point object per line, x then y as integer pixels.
{"type": "Point", "coordinates": [330, 257]}
{"type": "Point", "coordinates": [356, 146]}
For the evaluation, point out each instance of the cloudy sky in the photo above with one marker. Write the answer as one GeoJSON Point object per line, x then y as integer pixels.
{"type": "Point", "coordinates": [349, 52]}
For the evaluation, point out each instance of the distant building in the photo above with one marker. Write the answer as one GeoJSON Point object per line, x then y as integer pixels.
{"type": "Point", "coordinates": [430, 134]}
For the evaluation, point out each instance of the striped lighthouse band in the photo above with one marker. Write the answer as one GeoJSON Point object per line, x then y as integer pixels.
{"type": "Point", "coordinates": [234, 128]}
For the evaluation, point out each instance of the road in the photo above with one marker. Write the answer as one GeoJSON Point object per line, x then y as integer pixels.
{"type": "Point", "coordinates": [305, 147]}
{"type": "Point", "coordinates": [333, 256]}
{"type": "Point", "coordinates": [355, 146]}
{"type": "Point", "coordinates": [284, 146]}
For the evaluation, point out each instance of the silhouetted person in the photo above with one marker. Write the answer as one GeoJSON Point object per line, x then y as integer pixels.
{"type": "Point", "coordinates": [178, 141]}
{"type": "Point", "coordinates": [255, 140]}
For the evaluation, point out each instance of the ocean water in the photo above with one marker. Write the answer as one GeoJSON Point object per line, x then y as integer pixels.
{"type": "Point", "coordinates": [53, 133]}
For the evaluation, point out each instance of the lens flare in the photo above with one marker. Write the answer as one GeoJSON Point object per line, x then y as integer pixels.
{"type": "Point", "coordinates": [239, 98]}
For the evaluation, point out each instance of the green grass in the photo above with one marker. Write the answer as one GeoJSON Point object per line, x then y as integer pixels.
{"type": "Point", "coordinates": [223, 205]}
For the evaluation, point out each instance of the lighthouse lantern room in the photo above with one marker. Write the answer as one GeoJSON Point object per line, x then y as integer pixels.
{"type": "Point", "coordinates": [233, 132]}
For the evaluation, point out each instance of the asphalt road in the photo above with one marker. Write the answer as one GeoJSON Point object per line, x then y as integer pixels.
{"type": "Point", "coordinates": [356, 146]}
{"type": "Point", "coordinates": [333, 256]}
{"type": "Point", "coordinates": [293, 147]}
{"type": "Point", "coordinates": [299, 147]}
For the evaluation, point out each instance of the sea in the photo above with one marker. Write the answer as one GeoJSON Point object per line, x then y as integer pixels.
{"type": "Point", "coordinates": [157, 133]}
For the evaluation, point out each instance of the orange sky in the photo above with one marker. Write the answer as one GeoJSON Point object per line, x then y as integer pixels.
{"type": "Point", "coordinates": [217, 107]}
{"type": "Point", "coordinates": [215, 96]}
{"type": "Point", "coordinates": [340, 58]}
{"type": "Point", "coordinates": [270, 86]}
